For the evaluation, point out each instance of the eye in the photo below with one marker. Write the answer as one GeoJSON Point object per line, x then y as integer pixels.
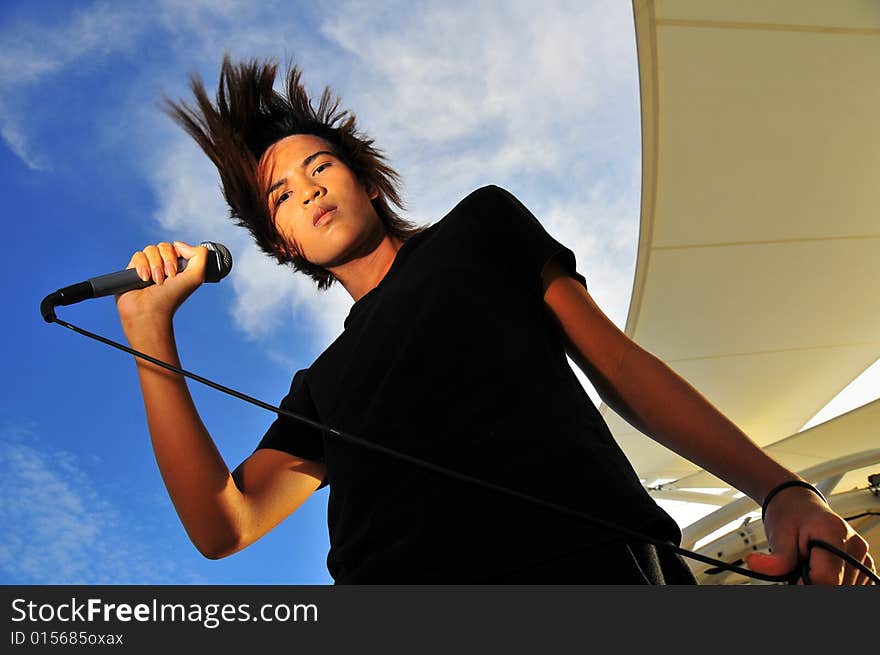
{"type": "Point", "coordinates": [321, 167]}
{"type": "Point", "coordinates": [284, 196]}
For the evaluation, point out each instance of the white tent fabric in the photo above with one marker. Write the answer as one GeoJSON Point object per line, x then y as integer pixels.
{"type": "Point", "coordinates": [759, 250]}
{"type": "Point", "coordinates": [854, 432]}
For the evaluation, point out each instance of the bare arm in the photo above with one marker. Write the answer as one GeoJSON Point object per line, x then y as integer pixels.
{"type": "Point", "coordinates": [661, 404]}
{"type": "Point", "coordinates": [221, 512]}
{"type": "Point", "coordinates": [652, 397]}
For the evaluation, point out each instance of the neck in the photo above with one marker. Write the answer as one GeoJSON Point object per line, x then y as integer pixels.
{"type": "Point", "coordinates": [361, 275]}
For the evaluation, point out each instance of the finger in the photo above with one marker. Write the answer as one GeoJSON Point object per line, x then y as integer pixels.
{"type": "Point", "coordinates": [784, 546]}
{"type": "Point", "coordinates": [768, 564]}
{"type": "Point", "coordinates": [186, 251]}
{"type": "Point", "coordinates": [157, 266]}
{"type": "Point", "coordinates": [139, 262]}
{"type": "Point", "coordinates": [196, 257]}
{"type": "Point", "coordinates": [862, 578]}
{"type": "Point", "coordinates": [169, 258]}
{"type": "Point", "coordinates": [857, 548]}
{"type": "Point", "coordinates": [825, 566]}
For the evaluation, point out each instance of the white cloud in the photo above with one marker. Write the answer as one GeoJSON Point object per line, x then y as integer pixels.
{"type": "Point", "coordinates": [59, 528]}
{"type": "Point", "coordinates": [17, 142]}
{"type": "Point", "coordinates": [86, 38]}
{"type": "Point", "coordinates": [458, 94]}
{"type": "Point", "coordinates": [269, 296]}
{"type": "Point", "coordinates": [601, 228]}
{"type": "Point", "coordinates": [501, 79]}
{"type": "Point", "coordinates": [33, 50]}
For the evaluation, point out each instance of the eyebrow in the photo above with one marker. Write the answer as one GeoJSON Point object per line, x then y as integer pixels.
{"type": "Point", "coordinates": [308, 160]}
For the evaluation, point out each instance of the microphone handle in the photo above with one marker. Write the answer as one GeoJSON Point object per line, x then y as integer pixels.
{"type": "Point", "coordinates": [122, 281]}
{"type": "Point", "coordinates": [219, 264]}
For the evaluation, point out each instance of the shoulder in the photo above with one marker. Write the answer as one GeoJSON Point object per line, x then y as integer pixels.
{"type": "Point", "coordinates": [299, 379]}
{"type": "Point", "coordinates": [485, 206]}
{"type": "Point", "coordinates": [298, 390]}
{"type": "Point", "coordinates": [484, 213]}
{"type": "Point", "coordinates": [491, 195]}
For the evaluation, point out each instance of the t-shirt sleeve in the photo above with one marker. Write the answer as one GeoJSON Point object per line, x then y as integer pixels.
{"type": "Point", "coordinates": [292, 436]}
{"type": "Point", "coordinates": [523, 244]}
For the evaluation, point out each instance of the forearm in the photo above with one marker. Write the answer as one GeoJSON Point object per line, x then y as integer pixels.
{"type": "Point", "coordinates": [198, 480]}
{"type": "Point", "coordinates": [664, 406]}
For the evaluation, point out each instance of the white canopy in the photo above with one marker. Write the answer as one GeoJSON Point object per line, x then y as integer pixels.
{"type": "Point", "coordinates": [759, 251]}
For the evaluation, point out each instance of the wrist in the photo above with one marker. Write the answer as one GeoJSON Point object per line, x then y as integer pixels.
{"type": "Point", "coordinates": [783, 487]}
{"type": "Point", "coordinates": [148, 323]}
{"type": "Point", "coordinates": [152, 334]}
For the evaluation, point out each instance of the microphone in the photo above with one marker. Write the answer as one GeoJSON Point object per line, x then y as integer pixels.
{"type": "Point", "coordinates": [218, 266]}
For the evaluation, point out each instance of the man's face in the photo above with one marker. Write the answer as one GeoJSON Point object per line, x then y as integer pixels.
{"type": "Point", "coordinates": [318, 205]}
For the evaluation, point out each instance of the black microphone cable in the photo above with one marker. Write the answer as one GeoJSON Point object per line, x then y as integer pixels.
{"type": "Point", "coordinates": [800, 571]}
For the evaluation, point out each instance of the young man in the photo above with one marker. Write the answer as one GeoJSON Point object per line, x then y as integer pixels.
{"type": "Point", "coordinates": [454, 353]}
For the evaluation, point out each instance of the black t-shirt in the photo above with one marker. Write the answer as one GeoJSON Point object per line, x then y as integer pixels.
{"type": "Point", "coordinates": [454, 358]}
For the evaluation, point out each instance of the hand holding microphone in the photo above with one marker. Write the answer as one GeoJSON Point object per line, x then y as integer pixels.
{"type": "Point", "coordinates": [164, 275]}
{"type": "Point", "coordinates": [179, 266]}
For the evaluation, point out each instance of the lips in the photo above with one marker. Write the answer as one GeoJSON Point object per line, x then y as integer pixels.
{"type": "Point", "coordinates": [322, 213]}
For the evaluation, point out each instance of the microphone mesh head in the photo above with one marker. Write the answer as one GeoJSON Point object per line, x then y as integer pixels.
{"type": "Point", "coordinates": [219, 264]}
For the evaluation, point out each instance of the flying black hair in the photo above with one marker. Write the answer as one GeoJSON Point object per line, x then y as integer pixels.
{"type": "Point", "coordinates": [248, 117]}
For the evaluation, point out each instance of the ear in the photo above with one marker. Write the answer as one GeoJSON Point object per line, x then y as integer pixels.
{"type": "Point", "coordinates": [373, 193]}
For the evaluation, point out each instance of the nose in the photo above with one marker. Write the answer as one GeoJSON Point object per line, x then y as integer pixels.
{"type": "Point", "coordinates": [311, 192]}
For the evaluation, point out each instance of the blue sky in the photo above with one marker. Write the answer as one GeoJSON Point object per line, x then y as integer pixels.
{"type": "Point", "coordinates": [544, 103]}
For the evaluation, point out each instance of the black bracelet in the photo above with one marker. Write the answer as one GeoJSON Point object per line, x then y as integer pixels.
{"type": "Point", "coordinates": [788, 483]}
